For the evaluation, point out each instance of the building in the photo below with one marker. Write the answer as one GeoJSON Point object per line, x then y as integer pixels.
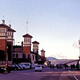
{"type": "Point", "coordinates": [18, 53]}
{"type": "Point", "coordinates": [6, 42]}
{"type": "Point", "coordinates": [23, 53]}
{"type": "Point", "coordinates": [35, 49]}
{"type": "Point", "coordinates": [43, 59]}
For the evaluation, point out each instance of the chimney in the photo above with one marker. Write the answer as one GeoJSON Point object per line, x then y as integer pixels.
{"type": "Point", "coordinates": [3, 21]}
{"type": "Point", "coordinates": [10, 25]}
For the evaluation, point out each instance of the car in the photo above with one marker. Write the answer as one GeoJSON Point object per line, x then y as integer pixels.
{"type": "Point", "coordinates": [26, 65]}
{"type": "Point", "coordinates": [43, 66]}
{"type": "Point", "coordinates": [15, 67]}
{"type": "Point", "coordinates": [20, 66]}
{"type": "Point", "coordinates": [38, 68]}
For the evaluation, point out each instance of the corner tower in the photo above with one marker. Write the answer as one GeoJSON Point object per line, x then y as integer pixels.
{"type": "Point", "coordinates": [10, 39]}
{"type": "Point", "coordinates": [3, 40]}
{"type": "Point", "coordinates": [35, 49]}
{"type": "Point", "coordinates": [27, 47]}
{"type": "Point", "coordinates": [42, 55]}
{"type": "Point", "coordinates": [6, 41]}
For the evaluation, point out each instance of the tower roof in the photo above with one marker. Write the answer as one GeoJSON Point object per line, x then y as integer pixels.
{"type": "Point", "coordinates": [35, 42]}
{"type": "Point", "coordinates": [27, 35]}
{"type": "Point", "coordinates": [3, 25]}
{"type": "Point", "coordinates": [10, 29]}
{"type": "Point", "coordinates": [6, 26]}
{"type": "Point", "coordinates": [42, 50]}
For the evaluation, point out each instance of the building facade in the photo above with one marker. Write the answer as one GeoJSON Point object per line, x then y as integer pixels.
{"type": "Point", "coordinates": [6, 42]}
{"type": "Point", "coordinates": [17, 53]}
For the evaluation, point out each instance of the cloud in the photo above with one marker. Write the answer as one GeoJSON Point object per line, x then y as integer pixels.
{"type": "Point", "coordinates": [75, 45]}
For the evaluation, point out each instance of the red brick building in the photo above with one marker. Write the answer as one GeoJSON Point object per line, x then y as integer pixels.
{"type": "Point", "coordinates": [35, 49]}
{"type": "Point", "coordinates": [43, 59]}
{"type": "Point", "coordinates": [23, 53]}
{"type": "Point", "coordinates": [27, 47]}
{"type": "Point", "coordinates": [6, 42]}
{"type": "Point", "coordinates": [17, 53]}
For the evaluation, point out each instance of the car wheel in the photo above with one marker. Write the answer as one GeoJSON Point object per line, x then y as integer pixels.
{"type": "Point", "coordinates": [40, 70]}
{"type": "Point", "coordinates": [15, 68]}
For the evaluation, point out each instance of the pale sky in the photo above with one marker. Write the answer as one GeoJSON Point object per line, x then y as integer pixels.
{"type": "Point", "coordinates": [55, 24]}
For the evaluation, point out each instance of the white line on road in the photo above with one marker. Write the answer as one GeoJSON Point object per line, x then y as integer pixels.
{"type": "Point", "coordinates": [73, 75]}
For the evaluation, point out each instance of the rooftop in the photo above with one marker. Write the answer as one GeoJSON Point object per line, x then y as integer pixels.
{"type": "Point", "coordinates": [27, 35]}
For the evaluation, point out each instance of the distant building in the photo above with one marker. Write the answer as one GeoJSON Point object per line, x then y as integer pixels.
{"type": "Point", "coordinates": [43, 59]}
{"type": "Point", "coordinates": [35, 49]}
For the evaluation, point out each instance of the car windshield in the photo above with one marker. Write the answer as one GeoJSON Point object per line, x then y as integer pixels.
{"type": "Point", "coordinates": [26, 64]}
{"type": "Point", "coordinates": [37, 66]}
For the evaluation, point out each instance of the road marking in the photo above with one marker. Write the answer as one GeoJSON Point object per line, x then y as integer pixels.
{"type": "Point", "coordinates": [73, 75]}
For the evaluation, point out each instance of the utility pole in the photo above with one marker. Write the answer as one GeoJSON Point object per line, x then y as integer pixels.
{"type": "Point", "coordinates": [26, 27]}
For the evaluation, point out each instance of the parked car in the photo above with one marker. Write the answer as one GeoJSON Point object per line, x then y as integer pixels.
{"type": "Point", "coordinates": [25, 65]}
{"type": "Point", "coordinates": [15, 67]}
{"type": "Point", "coordinates": [21, 66]}
{"type": "Point", "coordinates": [2, 70]}
{"type": "Point", "coordinates": [38, 68]}
{"type": "Point", "coordinates": [43, 66]}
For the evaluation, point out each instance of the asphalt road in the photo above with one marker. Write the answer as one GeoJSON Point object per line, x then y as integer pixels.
{"type": "Point", "coordinates": [46, 74]}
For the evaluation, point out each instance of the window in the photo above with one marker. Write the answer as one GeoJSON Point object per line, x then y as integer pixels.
{"type": "Point", "coordinates": [14, 55]}
{"type": "Point", "coordinates": [26, 55]}
{"type": "Point", "coordinates": [35, 46]}
{"type": "Point", "coordinates": [2, 30]}
{"type": "Point", "coordinates": [20, 55]}
{"type": "Point", "coordinates": [26, 40]}
{"type": "Point", "coordinates": [9, 33]}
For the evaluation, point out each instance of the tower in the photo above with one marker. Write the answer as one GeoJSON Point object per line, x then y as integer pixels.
{"type": "Point", "coordinates": [10, 33]}
{"type": "Point", "coordinates": [6, 40]}
{"type": "Point", "coordinates": [3, 40]}
{"type": "Point", "coordinates": [27, 47]}
{"type": "Point", "coordinates": [35, 49]}
{"type": "Point", "coordinates": [42, 55]}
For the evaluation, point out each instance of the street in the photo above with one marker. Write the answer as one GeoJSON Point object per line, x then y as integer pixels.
{"type": "Point", "coordinates": [46, 74]}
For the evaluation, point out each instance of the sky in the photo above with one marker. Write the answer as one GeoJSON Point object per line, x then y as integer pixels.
{"type": "Point", "coordinates": [55, 24]}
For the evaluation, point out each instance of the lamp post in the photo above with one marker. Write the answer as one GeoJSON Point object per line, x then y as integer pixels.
{"type": "Point", "coordinates": [7, 54]}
